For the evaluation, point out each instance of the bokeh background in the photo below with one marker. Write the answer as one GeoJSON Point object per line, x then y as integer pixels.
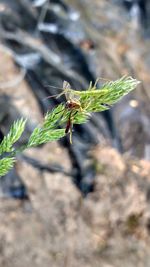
{"type": "Point", "coordinates": [86, 204]}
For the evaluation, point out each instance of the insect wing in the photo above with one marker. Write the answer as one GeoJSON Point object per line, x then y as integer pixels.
{"type": "Point", "coordinates": [66, 85]}
{"type": "Point", "coordinates": [69, 93]}
{"type": "Point", "coordinates": [66, 89]}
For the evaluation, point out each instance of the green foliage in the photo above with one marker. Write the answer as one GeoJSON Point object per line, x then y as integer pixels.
{"type": "Point", "coordinates": [95, 100]}
{"type": "Point", "coordinates": [48, 131]}
{"type": "Point", "coordinates": [52, 118]}
{"type": "Point", "coordinates": [82, 104]}
{"type": "Point", "coordinates": [14, 134]}
{"type": "Point", "coordinates": [6, 164]}
{"type": "Point", "coordinates": [41, 136]}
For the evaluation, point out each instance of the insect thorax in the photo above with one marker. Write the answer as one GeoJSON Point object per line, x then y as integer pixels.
{"type": "Point", "coordinates": [70, 104]}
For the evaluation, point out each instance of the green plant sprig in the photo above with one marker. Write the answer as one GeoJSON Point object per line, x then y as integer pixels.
{"type": "Point", "coordinates": [91, 100]}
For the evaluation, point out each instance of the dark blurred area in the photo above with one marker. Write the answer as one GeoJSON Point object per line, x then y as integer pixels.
{"type": "Point", "coordinates": [53, 41]}
{"type": "Point", "coordinates": [43, 43]}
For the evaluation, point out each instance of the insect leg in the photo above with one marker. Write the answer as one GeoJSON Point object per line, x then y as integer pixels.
{"type": "Point", "coordinates": [69, 127]}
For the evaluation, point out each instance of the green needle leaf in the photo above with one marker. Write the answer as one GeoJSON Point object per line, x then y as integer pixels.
{"type": "Point", "coordinates": [111, 92]}
{"type": "Point", "coordinates": [14, 134]}
{"type": "Point", "coordinates": [41, 136]}
{"type": "Point", "coordinates": [5, 165]}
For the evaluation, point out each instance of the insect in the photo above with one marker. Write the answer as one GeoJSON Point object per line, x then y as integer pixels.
{"type": "Point", "coordinates": [79, 101]}
{"type": "Point", "coordinates": [72, 104]}
{"type": "Point", "coordinates": [74, 96]}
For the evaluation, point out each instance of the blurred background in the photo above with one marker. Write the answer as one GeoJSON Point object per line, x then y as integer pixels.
{"type": "Point", "coordinates": [86, 204]}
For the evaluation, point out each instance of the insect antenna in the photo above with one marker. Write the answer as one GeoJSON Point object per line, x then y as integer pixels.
{"type": "Point", "coordinates": [65, 86]}
{"type": "Point", "coordinates": [56, 87]}
{"type": "Point", "coordinates": [51, 96]}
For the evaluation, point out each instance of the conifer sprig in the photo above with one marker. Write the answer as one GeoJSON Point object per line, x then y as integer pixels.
{"type": "Point", "coordinates": [97, 100]}
{"type": "Point", "coordinates": [11, 138]}
{"type": "Point", "coordinates": [84, 102]}
{"type": "Point", "coordinates": [6, 164]}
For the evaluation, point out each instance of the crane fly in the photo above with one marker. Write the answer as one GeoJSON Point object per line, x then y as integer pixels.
{"type": "Point", "coordinates": [72, 104]}
{"type": "Point", "coordinates": [74, 101]}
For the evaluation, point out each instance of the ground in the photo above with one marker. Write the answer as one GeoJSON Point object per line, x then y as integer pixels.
{"type": "Point", "coordinates": [57, 227]}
